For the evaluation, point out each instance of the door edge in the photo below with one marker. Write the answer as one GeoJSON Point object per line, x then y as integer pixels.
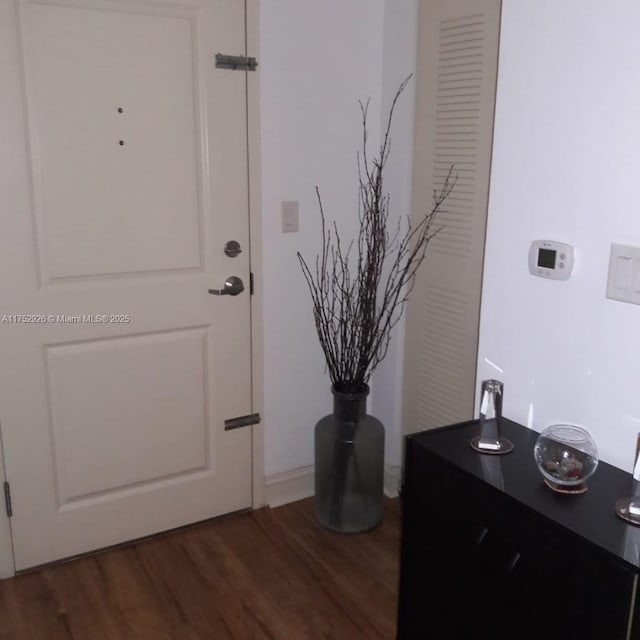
{"type": "Point", "coordinates": [255, 238]}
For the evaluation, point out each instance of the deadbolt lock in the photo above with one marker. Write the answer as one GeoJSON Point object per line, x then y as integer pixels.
{"type": "Point", "coordinates": [232, 248]}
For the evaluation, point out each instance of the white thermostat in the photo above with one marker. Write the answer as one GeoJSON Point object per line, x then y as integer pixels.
{"type": "Point", "coordinates": [550, 259]}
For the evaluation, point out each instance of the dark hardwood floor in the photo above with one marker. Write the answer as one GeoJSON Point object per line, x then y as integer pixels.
{"type": "Point", "coordinates": [271, 574]}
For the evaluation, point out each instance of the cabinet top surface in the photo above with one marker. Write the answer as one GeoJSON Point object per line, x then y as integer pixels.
{"type": "Point", "coordinates": [590, 515]}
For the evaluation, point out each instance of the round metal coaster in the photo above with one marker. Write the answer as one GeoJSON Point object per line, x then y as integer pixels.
{"type": "Point", "coordinates": [622, 511]}
{"type": "Point", "coordinates": [498, 448]}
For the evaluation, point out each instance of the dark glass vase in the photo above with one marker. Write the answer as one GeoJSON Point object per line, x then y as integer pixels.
{"type": "Point", "coordinates": [349, 465]}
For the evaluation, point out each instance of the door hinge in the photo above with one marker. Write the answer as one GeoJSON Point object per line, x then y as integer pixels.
{"type": "Point", "coordinates": [7, 499]}
{"type": "Point", "coordinates": [241, 421]}
{"type": "Point", "coordinates": [235, 63]}
{"type": "Point", "coordinates": [251, 282]}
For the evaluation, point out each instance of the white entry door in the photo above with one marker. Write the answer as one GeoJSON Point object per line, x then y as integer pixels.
{"type": "Point", "coordinates": [123, 167]}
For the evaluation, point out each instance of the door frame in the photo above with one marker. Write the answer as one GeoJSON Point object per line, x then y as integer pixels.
{"type": "Point", "coordinates": [254, 168]}
{"type": "Point", "coordinates": [7, 566]}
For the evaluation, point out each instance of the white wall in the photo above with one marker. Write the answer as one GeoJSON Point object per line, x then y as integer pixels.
{"type": "Point", "coordinates": [565, 167]}
{"type": "Point", "coordinates": [317, 59]}
{"type": "Point", "coordinates": [399, 60]}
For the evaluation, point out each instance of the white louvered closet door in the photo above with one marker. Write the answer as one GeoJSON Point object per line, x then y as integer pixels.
{"type": "Point", "coordinates": [456, 80]}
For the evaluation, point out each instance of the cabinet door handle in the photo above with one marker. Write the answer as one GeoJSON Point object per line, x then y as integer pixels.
{"type": "Point", "coordinates": [514, 562]}
{"type": "Point", "coordinates": [482, 536]}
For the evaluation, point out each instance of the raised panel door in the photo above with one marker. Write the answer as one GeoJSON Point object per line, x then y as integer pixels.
{"type": "Point", "coordinates": [127, 151]}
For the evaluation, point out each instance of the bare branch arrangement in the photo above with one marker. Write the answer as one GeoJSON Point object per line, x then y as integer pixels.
{"type": "Point", "coordinates": [359, 291]}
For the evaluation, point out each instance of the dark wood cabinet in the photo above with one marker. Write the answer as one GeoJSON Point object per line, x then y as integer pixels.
{"type": "Point", "coordinates": [490, 552]}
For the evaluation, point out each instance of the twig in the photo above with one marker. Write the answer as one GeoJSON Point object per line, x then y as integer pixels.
{"type": "Point", "coordinates": [359, 293]}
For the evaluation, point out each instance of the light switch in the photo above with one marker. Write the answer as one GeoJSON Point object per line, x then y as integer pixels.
{"type": "Point", "coordinates": [289, 216]}
{"type": "Point", "coordinates": [623, 272]}
{"type": "Point", "coordinates": [623, 283]}
{"type": "Point", "coordinates": [635, 277]}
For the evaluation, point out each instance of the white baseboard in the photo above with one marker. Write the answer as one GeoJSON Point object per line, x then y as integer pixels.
{"type": "Point", "coordinates": [289, 486]}
{"type": "Point", "coordinates": [392, 480]}
{"type": "Point", "coordinates": [298, 484]}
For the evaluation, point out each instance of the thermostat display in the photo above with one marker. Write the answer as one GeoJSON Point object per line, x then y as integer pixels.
{"type": "Point", "coordinates": [550, 259]}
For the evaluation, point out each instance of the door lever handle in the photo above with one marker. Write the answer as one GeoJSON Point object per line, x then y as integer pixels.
{"type": "Point", "coordinates": [232, 287]}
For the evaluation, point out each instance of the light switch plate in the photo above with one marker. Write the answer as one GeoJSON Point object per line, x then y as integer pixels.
{"type": "Point", "coordinates": [289, 216]}
{"type": "Point", "coordinates": [623, 282]}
